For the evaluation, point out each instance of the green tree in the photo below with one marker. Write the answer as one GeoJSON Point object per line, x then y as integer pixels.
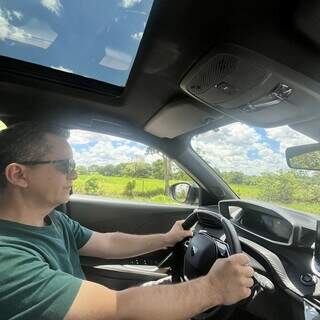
{"type": "Point", "coordinates": [93, 168]}
{"type": "Point", "coordinates": [157, 169]}
{"type": "Point", "coordinates": [278, 187]}
{"type": "Point", "coordinates": [234, 177]}
{"type": "Point", "coordinates": [91, 186]}
{"type": "Point", "coordinates": [108, 170]}
{"type": "Point", "coordinates": [167, 168]}
{"type": "Point", "coordinates": [129, 188]}
{"type": "Point", "coordinates": [142, 169]}
{"type": "Point", "coordinates": [81, 170]}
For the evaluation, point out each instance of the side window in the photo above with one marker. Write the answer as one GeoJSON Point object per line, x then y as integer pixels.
{"type": "Point", "coordinates": [117, 168]}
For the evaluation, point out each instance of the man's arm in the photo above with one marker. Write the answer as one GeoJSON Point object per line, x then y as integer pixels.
{"type": "Point", "coordinates": [117, 245]}
{"type": "Point", "coordinates": [227, 282]}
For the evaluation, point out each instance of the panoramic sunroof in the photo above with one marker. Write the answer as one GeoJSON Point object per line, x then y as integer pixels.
{"type": "Point", "coordinates": [97, 39]}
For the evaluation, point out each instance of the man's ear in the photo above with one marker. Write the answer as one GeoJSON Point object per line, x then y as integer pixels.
{"type": "Point", "coordinates": [16, 175]}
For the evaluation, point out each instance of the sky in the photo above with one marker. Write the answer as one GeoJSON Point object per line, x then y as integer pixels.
{"type": "Point", "coordinates": [235, 147]}
{"type": "Point", "coordinates": [239, 147]}
{"type": "Point", "coordinates": [96, 148]}
{"type": "Point", "coordinates": [96, 39]}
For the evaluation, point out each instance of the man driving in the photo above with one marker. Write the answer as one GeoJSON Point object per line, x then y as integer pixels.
{"type": "Point", "coordinates": [40, 271]}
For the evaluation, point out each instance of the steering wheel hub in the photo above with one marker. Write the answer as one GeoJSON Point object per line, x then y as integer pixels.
{"type": "Point", "coordinates": [201, 254]}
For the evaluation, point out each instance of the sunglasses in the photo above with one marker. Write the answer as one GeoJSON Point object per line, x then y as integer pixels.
{"type": "Point", "coordinates": [66, 166]}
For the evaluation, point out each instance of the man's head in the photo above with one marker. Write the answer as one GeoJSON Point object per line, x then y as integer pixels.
{"type": "Point", "coordinates": [37, 159]}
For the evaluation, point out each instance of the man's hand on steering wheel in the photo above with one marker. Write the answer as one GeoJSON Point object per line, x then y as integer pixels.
{"type": "Point", "coordinates": [177, 234]}
{"type": "Point", "coordinates": [221, 262]}
{"type": "Point", "coordinates": [231, 278]}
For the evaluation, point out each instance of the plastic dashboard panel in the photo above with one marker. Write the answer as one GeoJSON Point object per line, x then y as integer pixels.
{"type": "Point", "coordinates": [265, 210]}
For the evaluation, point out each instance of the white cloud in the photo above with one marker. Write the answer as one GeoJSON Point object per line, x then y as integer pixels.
{"type": "Point", "coordinates": [8, 31]}
{"type": "Point", "coordinates": [61, 68]}
{"type": "Point", "coordinates": [129, 3]}
{"type": "Point", "coordinates": [95, 148]}
{"type": "Point", "coordinates": [81, 137]}
{"type": "Point", "coordinates": [116, 59]}
{"type": "Point", "coordinates": [41, 34]}
{"type": "Point", "coordinates": [288, 137]}
{"type": "Point", "coordinates": [53, 5]}
{"type": "Point", "coordinates": [137, 36]}
{"type": "Point", "coordinates": [238, 147]}
{"type": "Point", "coordinates": [35, 32]}
{"type": "Point", "coordinates": [17, 14]}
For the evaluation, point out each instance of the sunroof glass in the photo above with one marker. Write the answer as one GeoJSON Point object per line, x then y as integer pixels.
{"type": "Point", "coordinates": [98, 39]}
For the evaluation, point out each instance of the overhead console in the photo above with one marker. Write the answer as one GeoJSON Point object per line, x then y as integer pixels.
{"type": "Point", "coordinates": [181, 116]}
{"type": "Point", "coordinates": [247, 86]}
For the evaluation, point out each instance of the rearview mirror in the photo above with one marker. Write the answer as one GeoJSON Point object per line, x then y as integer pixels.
{"type": "Point", "coordinates": [306, 157]}
{"type": "Point", "coordinates": [184, 192]}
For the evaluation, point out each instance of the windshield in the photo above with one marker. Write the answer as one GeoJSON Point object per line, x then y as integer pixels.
{"type": "Point", "coordinates": [95, 39]}
{"type": "Point", "coordinates": [252, 161]}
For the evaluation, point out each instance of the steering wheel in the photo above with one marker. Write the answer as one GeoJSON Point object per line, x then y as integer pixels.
{"type": "Point", "coordinates": [194, 257]}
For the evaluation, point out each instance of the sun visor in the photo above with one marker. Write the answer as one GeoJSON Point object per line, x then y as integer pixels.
{"type": "Point", "coordinates": [252, 88]}
{"type": "Point", "coordinates": [179, 117]}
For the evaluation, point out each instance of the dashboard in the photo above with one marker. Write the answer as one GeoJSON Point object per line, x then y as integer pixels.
{"type": "Point", "coordinates": [271, 227]}
{"type": "Point", "coordinates": [279, 244]}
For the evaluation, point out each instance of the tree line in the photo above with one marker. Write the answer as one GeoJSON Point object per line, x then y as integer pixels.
{"type": "Point", "coordinates": [282, 186]}
{"type": "Point", "coordinates": [139, 169]}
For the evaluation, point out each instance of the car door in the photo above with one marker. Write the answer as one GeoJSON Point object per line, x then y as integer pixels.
{"type": "Point", "coordinates": [123, 190]}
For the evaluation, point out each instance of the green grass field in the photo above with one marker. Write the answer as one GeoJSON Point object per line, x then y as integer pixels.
{"type": "Point", "coordinates": [114, 187]}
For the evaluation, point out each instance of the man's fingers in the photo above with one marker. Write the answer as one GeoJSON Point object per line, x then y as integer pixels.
{"type": "Point", "coordinates": [240, 258]}
{"type": "Point", "coordinates": [189, 232]}
{"type": "Point", "coordinates": [248, 271]}
{"type": "Point", "coordinates": [248, 282]}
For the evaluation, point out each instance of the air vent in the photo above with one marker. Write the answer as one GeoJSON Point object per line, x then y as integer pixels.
{"type": "Point", "coordinates": [213, 73]}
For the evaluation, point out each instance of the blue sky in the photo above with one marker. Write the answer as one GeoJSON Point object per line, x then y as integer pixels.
{"type": "Point", "coordinates": [96, 39]}
{"type": "Point", "coordinates": [274, 144]}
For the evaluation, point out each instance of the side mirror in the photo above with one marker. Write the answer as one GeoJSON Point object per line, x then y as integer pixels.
{"type": "Point", "coordinates": [184, 192]}
{"type": "Point", "coordinates": [306, 157]}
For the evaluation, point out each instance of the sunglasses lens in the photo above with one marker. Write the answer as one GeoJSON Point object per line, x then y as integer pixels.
{"type": "Point", "coordinates": [66, 166]}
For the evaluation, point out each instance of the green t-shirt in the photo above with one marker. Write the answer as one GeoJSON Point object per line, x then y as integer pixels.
{"type": "Point", "coordinates": [40, 271]}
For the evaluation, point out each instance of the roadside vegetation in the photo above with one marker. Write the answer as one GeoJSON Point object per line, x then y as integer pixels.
{"type": "Point", "coordinates": [140, 181]}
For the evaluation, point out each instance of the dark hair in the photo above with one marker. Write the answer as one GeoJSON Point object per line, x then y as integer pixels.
{"type": "Point", "coordinates": [25, 141]}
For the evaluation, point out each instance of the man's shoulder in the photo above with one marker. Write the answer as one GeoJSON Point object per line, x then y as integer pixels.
{"type": "Point", "coordinates": [58, 216]}
{"type": "Point", "coordinates": [61, 221]}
